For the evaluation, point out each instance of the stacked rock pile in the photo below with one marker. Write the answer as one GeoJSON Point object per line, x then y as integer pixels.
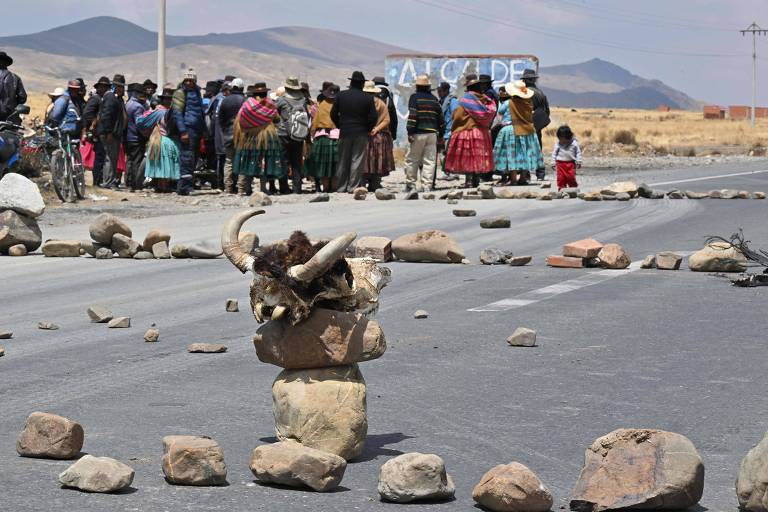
{"type": "Point", "coordinates": [591, 253]}
{"type": "Point", "coordinates": [20, 206]}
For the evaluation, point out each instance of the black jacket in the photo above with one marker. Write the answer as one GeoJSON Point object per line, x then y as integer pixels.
{"type": "Point", "coordinates": [112, 117]}
{"type": "Point", "coordinates": [12, 94]}
{"type": "Point", "coordinates": [540, 109]}
{"type": "Point", "coordinates": [354, 112]}
{"type": "Point", "coordinates": [230, 106]}
{"type": "Point", "coordinates": [91, 111]}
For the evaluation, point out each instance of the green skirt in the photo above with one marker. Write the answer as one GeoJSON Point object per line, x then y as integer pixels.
{"type": "Point", "coordinates": [266, 162]}
{"type": "Point", "coordinates": [168, 166]}
{"type": "Point", "coordinates": [323, 158]}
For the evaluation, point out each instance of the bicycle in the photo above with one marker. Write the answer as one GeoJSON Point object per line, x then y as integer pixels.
{"type": "Point", "coordinates": [66, 165]}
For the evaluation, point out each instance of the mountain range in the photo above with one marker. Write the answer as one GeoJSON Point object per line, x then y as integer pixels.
{"type": "Point", "coordinates": [106, 45]}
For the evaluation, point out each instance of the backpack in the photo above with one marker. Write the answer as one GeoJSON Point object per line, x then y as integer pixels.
{"type": "Point", "coordinates": [299, 123]}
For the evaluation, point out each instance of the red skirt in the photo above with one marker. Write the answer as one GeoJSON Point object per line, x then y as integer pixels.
{"type": "Point", "coordinates": [381, 160]}
{"type": "Point", "coordinates": [470, 152]}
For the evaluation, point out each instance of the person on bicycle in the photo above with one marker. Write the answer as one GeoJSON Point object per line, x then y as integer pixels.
{"type": "Point", "coordinates": [12, 91]}
{"type": "Point", "coordinates": [67, 111]}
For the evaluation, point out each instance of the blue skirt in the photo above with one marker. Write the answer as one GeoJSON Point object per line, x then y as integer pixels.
{"type": "Point", "coordinates": [168, 166]}
{"type": "Point", "coordinates": [517, 152]}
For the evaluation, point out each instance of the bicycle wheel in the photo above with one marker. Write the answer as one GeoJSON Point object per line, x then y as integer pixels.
{"type": "Point", "coordinates": [58, 174]}
{"type": "Point", "coordinates": [78, 173]}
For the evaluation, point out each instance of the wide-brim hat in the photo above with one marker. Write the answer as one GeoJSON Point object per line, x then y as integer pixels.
{"type": "Point", "coordinates": [73, 84]}
{"type": "Point", "coordinates": [149, 83]}
{"type": "Point", "coordinates": [371, 87]}
{"type": "Point", "coordinates": [118, 80]}
{"type": "Point", "coordinates": [357, 76]}
{"type": "Point", "coordinates": [379, 80]}
{"type": "Point", "coordinates": [529, 73]}
{"type": "Point", "coordinates": [103, 81]}
{"type": "Point", "coordinates": [56, 92]}
{"type": "Point", "coordinates": [471, 79]}
{"type": "Point", "coordinates": [485, 79]}
{"type": "Point", "coordinates": [292, 84]}
{"type": "Point", "coordinates": [137, 87]}
{"type": "Point", "coordinates": [423, 81]}
{"type": "Point", "coordinates": [519, 89]}
{"type": "Point", "coordinates": [260, 87]}
{"type": "Point", "coordinates": [5, 59]}
{"type": "Point", "coordinates": [168, 90]}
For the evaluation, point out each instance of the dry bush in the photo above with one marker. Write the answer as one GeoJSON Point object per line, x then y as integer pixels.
{"type": "Point", "coordinates": [587, 133]}
{"type": "Point", "coordinates": [625, 137]}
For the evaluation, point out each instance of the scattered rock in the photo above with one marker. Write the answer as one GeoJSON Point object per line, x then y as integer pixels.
{"type": "Point", "coordinates": [420, 314]}
{"type": "Point", "coordinates": [586, 248]}
{"type": "Point", "coordinates": [545, 184]}
{"type": "Point", "coordinates": [486, 191]}
{"type": "Point", "coordinates": [249, 241]}
{"type": "Point", "coordinates": [152, 335]}
{"type": "Point", "coordinates": [144, 255]}
{"type": "Point", "coordinates": [161, 251]}
{"type": "Point", "coordinates": [506, 193]}
{"type": "Point", "coordinates": [99, 314]}
{"type": "Point", "coordinates": [464, 213]}
{"type": "Point", "coordinates": [649, 262]}
{"type": "Point", "coordinates": [376, 247]}
{"type": "Point", "coordinates": [623, 196]}
{"type": "Point", "coordinates": [452, 201]}
{"type": "Point", "coordinates": [714, 194]}
{"type": "Point", "coordinates": [17, 250]}
{"type": "Point", "coordinates": [323, 408]}
{"type": "Point", "coordinates": [690, 194]}
{"type": "Point", "coordinates": [512, 488]}
{"type": "Point", "coordinates": [614, 256]}
{"type": "Point", "coordinates": [623, 187]}
{"type": "Point", "coordinates": [2, 351]}
{"type": "Point", "coordinates": [546, 197]}
{"type": "Point", "coordinates": [495, 256]}
{"type": "Point", "coordinates": [232, 306]}
{"type": "Point", "coordinates": [572, 193]}
{"type": "Point", "coordinates": [564, 261]}
{"type": "Point", "coordinates": [180, 251]}
{"type": "Point", "coordinates": [6, 335]}
{"type": "Point", "coordinates": [206, 348]}
{"type": "Point", "coordinates": [639, 469]}
{"type": "Point", "coordinates": [20, 230]}
{"type": "Point", "coordinates": [50, 436]}
{"type": "Point", "coordinates": [124, 246]}
{"type": "Point", "coordinates": [501, 221]}
{"type": "Point", "coordinates": [522, 337]}
{"type": "Point", "coordinates": [428, 246]}
{"type": "Point", "coordinates": [204, 250]}
{"type": "Point", "coordinates": [675, 194]}
{"type": "Point", "coordinates": [104, 253]}
{"type": "Point", "coordinates": [429, 196]}
{"type": "Point", "coordinates": [61, 248]}
{"type": "Point", "coordinates": [729, 194]}
{"type": "Point", "coordinates": [320, 198]}
{"type": "Point", "coordinates": [455, 194]}
{"type": "Point", "coordinates": [120, 322]}
{"type": "Point", "coordinates": [593, 195]}
{"type": "Point", "coordinates": [657, 194]}
{"type": "Point", "coordinates": [21, 195]}
{"type": "Point", "coordinates": [90, 247]}
{"type": "Point", "coordinates": [292, 464]}
{"type": "Point", "coordinates": [47, 326]}
{"type": "Point", "coordinates": [105, 226]}
{"type": "Point", "coordinates": [644, 190]}
{"type": "Point", "coordinates": [411, 195]}
{"type": "Point", "coordinates": [758, 195]}
{"type": "Point", "coordinates": [97, 474]}
{"type": "Point", "coordinates": [608, 197]}
{"type": "Point", "coordinates": [717, 257]}
{"type": "Point", "coordinates": [744, 194]}
{"type": "Point", "coordinates": [668, 261]}
{"type": "Point", "coordinates": [383, 194]}
{"type": "Point", "coordinates": [193, 460]}
{"type": "Point", "coordinates": [519, 261]}
{"type": "Point", "coordinates": [415, 477]}
{"type": "Point", "coordinates": [360, 194]}
{"type": "Point", "coordinates": [155, 236]}
{"type": "Point", "coordinates": [259, 199]}
{"type": "Point", "coordinates": [752, 482]}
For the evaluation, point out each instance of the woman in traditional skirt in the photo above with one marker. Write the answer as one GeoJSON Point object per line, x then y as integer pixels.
{"type": "Point", "coordinates": [469, 150]}
{"type": "Point", "coordinates": [258, 151]}
{"type": "Point", "coordinates": [163, 164]}
{"type": "Point", "coordinates": [324, 154]}
{"type": "Point", "coordinates": [517, 151]}
{"type": "Point", "coordinates": [380, 160]}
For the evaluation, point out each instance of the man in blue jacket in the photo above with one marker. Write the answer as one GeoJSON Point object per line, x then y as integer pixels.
{"type": "Point", "coordinates": [67, 111]}
{"type": "Point", "coordinates": [188, 114]}
{"type": "Point", "coordinates": [135, 142]}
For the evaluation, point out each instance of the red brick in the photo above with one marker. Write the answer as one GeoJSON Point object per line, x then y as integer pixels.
{"type": "Point", "coordinates": [564, 262]}
{"type": "Point", "coordinates": [587, 248]}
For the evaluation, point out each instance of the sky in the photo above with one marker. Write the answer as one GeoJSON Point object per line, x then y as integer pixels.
{"type": "Point", "coordinates": [692, 45]}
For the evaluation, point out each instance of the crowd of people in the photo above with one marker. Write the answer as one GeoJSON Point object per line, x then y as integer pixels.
{"type": "Point", "coordinates": [340, 139]}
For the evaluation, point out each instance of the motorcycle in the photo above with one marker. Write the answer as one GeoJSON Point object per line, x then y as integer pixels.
{"type": "Point", "coordinates": [11, 136]}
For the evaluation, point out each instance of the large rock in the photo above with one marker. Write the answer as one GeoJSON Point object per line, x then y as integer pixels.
{"type": "Point", "coordinates": [21, 195]}
{"type": "Point", "coordinates": [639, 469]}
{"type": "Point", "coordinates": [61, 248]}
{"type": "Point", "coordinates": [322, 408]}
{"type": "Point", "coordinates": [614, 256]}
{"type": "Point", "coordinates": [259, 199]}
{"type": "Point", "coordinates": [415, 477]}
{"type": "Point", "coordinates": [50, 436]}
{"type": "Point", "coordinates": [124, 246]}
{"type": "Point", "coordinates": [376, 247]}
{"type": "Point", "coordinates": [293, 464]}
{"type": "Point", "coordinates": [105, 226]}
{"type": "Point", "coordinates": [97, 474]}
{"type": "Point", "coordinates": [625, 187]}
{"type": "Point", "coordinates": [204, 250]}
{"type": "Point", "coordinates": [486, 191]}
{"type": "Point", "coordinates": [512, 488]}
{"type": "Point", "coordinates": [21, 230]}
{"type": "Point", "coordinates": [161, 251]}
{"type": "Point", "coordinates": [153, 237]}
{"type": "Point", "coordinates": [90, 247]}
{"type": "Point", "coordinates": [180, 251]}
{"type": "Point", "coordinates": [193, 460]}
{"type": "Point", "coordinates": [717, 257]}
{"type": "Point", "coordinates": [587, 248]}
{"type": "Point", "coordinates": [431, 246]}
{"type": "Point", "coordinates": [326, 338]}
{"type": "Point", "coordinates": [668, 260]}
{"type": "Point", "coordinates": [752, 482]}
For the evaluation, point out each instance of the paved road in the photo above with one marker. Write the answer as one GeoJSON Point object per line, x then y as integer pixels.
{"type": "Point", "coordinates": [680, 351]}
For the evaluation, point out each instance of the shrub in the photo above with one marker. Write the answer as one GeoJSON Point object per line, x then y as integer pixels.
{"type": "Point", "coordinates": [625, 137]}
{"type": "Point", "coordinates": [587, 133]}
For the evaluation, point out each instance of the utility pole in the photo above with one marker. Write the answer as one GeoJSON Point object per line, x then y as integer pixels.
{"type": "Point", "coordinates": [755, 30]}
{"type": "Point", "coordinates": [161, 46]}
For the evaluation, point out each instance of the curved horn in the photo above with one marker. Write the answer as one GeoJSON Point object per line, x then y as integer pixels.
{"type": "Point", "coordinates": [230, 242]}
{"type": "Point", "coordinates": [323, 260]}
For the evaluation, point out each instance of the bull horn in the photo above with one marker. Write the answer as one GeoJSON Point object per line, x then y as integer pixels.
{"type": "Point", "coordinates": [230, 241]}
{"type": "Point", "coordinates": [323, 260]}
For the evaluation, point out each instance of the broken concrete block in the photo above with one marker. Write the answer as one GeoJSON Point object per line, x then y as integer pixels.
{"type": "Point", "coordinates": [565, 261]}
{"type": "Point", "coordinates": [587, 248]}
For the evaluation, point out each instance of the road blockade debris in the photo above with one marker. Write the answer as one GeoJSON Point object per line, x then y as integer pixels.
{"type": "Point", "coordinates": [377, 247]}
{"type": "Point", "coordinates": [206, 348]}
{"type": "Point", "coordinates": [17, 250]}
{"type": "Point", "coordinates": [47, 326]}
{"type": "Point", "coordinates": [105, 226]}
{"type": "Point", "coordinates": [564, 261]}
{"type": "Point", "coordinates": [360, 194]}
{"type": "Point", "coordinates": [696, 195]}
{"type": "Point", "coordinates": [383, 194]}
{"type": "Point", "coordinates": [675, 194]}
{"type": "Point", "coordinates": [718, 257]}
{"type": "Point", "coordinates": [120, 322]}
{"type": "Point", "coordinates": [155, 236]}
{"type": "Point", "coordinates": [668, 261]}
{"type": "Point", "coordinates": [522, 337]}
{"type": "Point", "coordinates": [649, 262]}
{"type": "Point", "coordinates": [495, 256]}
{"type": "Point", "coordinates": [737, 248]}
{"type": "Point", "coordinates": [61, 248]}
{"type": "Point", "coordinates": [614, 256]}
{"type": "Point", "coordinates": [519, 261]}
{"type": "Point", "coordinates": [152, 335]}
{"type": "Point", "coordinates": [752, 482]}
{"type": "Point", "coordinates": [295, 465]}
{"type": "Point", "coordinates": [415, 477]}
{"type": "Point", "coordinates": [420, 314]}
{"type": "Point", "coordinates": [231, 306]}
{"type": "Point", "coordinates": [587, 248]}
{"type": "Point", "coordinates": [50, 436]}
{"type": "Point", "coordinates": [501, 221]}
{"type": "Point", "coordinates": [97, 474]}
{"type": "Point", "coordinates": [204, 250]}
{"type": "Point", "coordinates": [193, 460]}
{"type": "Point", "coordinates": [512, 488]}
{"type": "Point", "coordinates": [99, 314]}
{"type": "Point", "coordinates": [161, 251]}
{"type": "Point", "coordinates": [320, 198]}
{"type": "Point", "coordinates": [143, 255]}
{"type": "Point", "coordinates": [6, 335]}
{"type": "Point", "coordinates": [464, 213]}
{"type": "Point", "coordinates": [259, 199]}
{"type": "Point", "coordinates": [17, 229]}
{"type": "Point", "coordinates": [431, 246]}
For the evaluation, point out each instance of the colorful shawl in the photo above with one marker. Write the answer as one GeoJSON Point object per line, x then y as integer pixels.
{"type": "Point", "coordinates": [157, 117]}
{"type": "Point", "coordinates": [479, 107]}
{"type": "Point", "coordinates": [257, 113]}
{"type": "Point", "coordinates": [147, 121]}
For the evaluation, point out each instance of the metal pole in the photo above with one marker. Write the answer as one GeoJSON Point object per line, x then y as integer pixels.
{"type": "Point", "coordinates": [754, 76]}
{"type": "Point", "coordinates": [161, 45]}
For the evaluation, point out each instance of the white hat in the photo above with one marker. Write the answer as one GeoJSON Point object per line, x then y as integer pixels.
{"type": "Point", "coordinates": [190, 75]}
{"type": "Point", "coordinates": [370, 86]}
{"type": "Point", "coordinates": [237, 83]}
{"type": "Point", "coordinates": [519, 89]}
{"type": "Point", "coordinates": [59, 91]}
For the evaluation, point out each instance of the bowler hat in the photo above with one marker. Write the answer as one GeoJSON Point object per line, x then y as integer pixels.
{"type": "Point", "coordinates": [118, 80]}
{"type": "Point", "coordinates": [149, 83]}
{"type": "Point", "coordinates": [103, 81]}
{"type": "Point", "coordinates": [470, 79]}
{"type": "Point", "coordinates": [444, 86]}
{"type": "Point", "coordinates": [136, 87]}
{"type": "Point", "coordinates": [379, 80]}
{"type": "Point", "coordinates": [357, 76]}
{"type": "Point", "coordinates": [73, 84]}
{"type": "Point", "coordinates": [260, 87]}
{"type": "Point", "coordinates": [529, 73]}
{"type": "Point", "coordinates": [5, 59]}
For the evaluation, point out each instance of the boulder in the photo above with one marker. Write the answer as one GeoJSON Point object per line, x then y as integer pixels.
{"type": "Point", "coordinates": [586, 248]}
{"type": "Point", "coordinates": [376, 247]}
{"type": "Point", "coordinates": [501, 221]}
{"type": "Point", "coordinates": [564, 261]}
{"type": "Point", "coordinates": [649, 262]}
{"type": "Point", "coordinates": [320, 198]}
{"type": "Point", "coordinates": [105, 226]}
{"type": "Point", "coordinates": [206, 348]}
{"type": "Point", "coordinates": [322, 408]}
{"type": "Point", "coordinates": [97, 474]}
{"type": "Point", "coordinates": [717, 257]}
{"type": "Point", "coordinates": [249, 241]}
{"type": "Point", "coordinates": [519, 261]}
{"type": "Point", "coordinates": [614, 256]}
{"type": "Point", "coordinates": [204, 250]}
{"type": "Point", "coordinates": [20, 230]}
{"type": "Point", "coordinates": [295, 465]}
{"type": "Point", "coordinates": [714, 194]}
{"type": "Point", "coordinates": [104, 253]}
{"type": "Point", "coordinates": [180, 251]}
{"type": "Point", "coordinates": [161, 250]}
{"type": "Point", "coordinates": [17, 250]}
{"type": "Point", "coordinates": [144, 255]}
{"type": "Point", "coordinates": [512, 488]}
{"type": "Point", "coordinates": [464, 213]}
{"type": "Point", "coordinates": [360, 193]}
{"type": "Point", "coordinates": [522, 337]}
{"type": "Point", "coordinates": [155, 236]}
{"type": "Point", "coordinates": [639, 469]}
{"type": "Point", "coordinates": [50, 436]}
{"type": "Point", "coordinates": [61, 248]}
{"type": "Point", "coordinates": [430, 246]}
{"type": "Point", "coordinates": [259, 199]}
{"type": "Point", "coordinates": [99, 314]}
{"type": "Point", "coordinates": [415, 477]}
{"type": "Point", "coordinates": [383, 194]}
{"type": "Point", "coordinates": [124, 246]}
{"type": "Point", "coordinates": [152, 335]}
{"type": "Point", "coordinates": [729, 194]}
{"type": "Point", "coordinates": [193, 460]}
{"type": "Point", "coordinates": [21, 195]}
{"type": "Point", "coordinates": [668, 261]}
{"type": "Point", "coordinates": [507, 193]}
{"type": "Point", "coordinates": [752, 482]}
{"type": "Point", "coordinates": [120, 322]}
{"type": "Point", "coordinates": [486, 191]}
{"type": "Point", "coordinates": [327, 338]}
{"type": "Point", "coordinates": [495, 256]}
{"type": "Point", "coordinates": [231, 306]}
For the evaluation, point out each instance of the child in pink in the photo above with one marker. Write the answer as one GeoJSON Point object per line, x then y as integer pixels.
{"type": "Point", "coordinates": [566, 157]}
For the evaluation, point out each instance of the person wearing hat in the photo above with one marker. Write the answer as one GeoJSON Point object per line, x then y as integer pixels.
{"type": "Point", "coordinates": [487, 86]}
{"type": "Point", "coordinates": [135, 142]}
{"type": "Point", "coordinates": [354, 112]}
{"type": "Point", "coordinates": [90, 139]}
{"type": "Point", "coordinates": [188, 112]}
{"type": "Point", "coordinates": [469, 149]}
{"type": "Point", "coordinates": [448, 103]}
{"type": "Point", "coordinates": [324, 155]}
{"type": "Point", "coordinates": [540, 110]}
{"type": "Point", "coordinates": [112, 124]}
{"type": "Point", "coordinates": [425, 124]}
{"type": "Point", "coordinates": [225, 121]}
{"type": "Point", "coordinates": [380, 160]}
{"type": "Point", "coordinates": [324, 87]}
{"type": "Point", "coordinates": [12, 91]}
{"type": "Point", "coordinates": [517, 151]}
{"type": "Point", "coordinates": [67, 110]}
{"type": "Point", "coordinates": [295, 122]}
{"type": "Point", "coordinates": [219, 153]}
{"type": "Point", "coordinates": [386, 96]}
{"type": "Point", "coordinates": [150, 89]}
{"type": "Point", "coordinates": [54, 95]}
{"type": "Point", "coordinates": [163, 164]}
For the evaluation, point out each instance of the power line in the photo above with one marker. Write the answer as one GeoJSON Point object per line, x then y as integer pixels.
{"type": "Point", "coordinates": [755, 30]}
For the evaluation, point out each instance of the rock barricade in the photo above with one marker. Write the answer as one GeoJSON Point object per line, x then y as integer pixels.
{"type": "Point", "coordinates": [295, 465]}
{"type": "Point", "coordinates": [752, 482]}
{"type": "Point", "coordinates": [17, 229]}
{"type": "Point", "coordinates": [193, 460]}
{"type": "Point", "coordinates": [717, 257]}
{"type": "Point", "coordinates": [21, 195]}
{"type": "Point", "coordinates": [415, 477]}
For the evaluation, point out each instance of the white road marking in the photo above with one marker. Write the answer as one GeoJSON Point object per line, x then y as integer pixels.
{"type": "Point", "coordinates": [704, 178]}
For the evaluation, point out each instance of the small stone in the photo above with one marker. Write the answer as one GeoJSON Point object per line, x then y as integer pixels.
{"type": "Point", "coordinates": [452, 201]}
{"type": "Point", "coordinates": [420, 314]}
{"type": "Point", "coordinates": [743, 194]}
{"type": "Point", "coordinates": [429, 196]}
{"type": "Point", "coordinates": [512, 488]}
{"type": "Point", "coordinates": [155, 236]}
{"type": "Point", "coordinates": [501, 221]}
{"type": "Point", "coordinates": [61, 248]}
{"type": "Point", "coordinates": [180, 251]}
{"type": "Point", "coordinates": [99, 314]}
{"type": "Point", "coordinates": [464, 213]}
{"type": "Point", "coordinates": [623, 196]}
{"type": "Point", "coordinates": [675, 194]}
{"type": "Point", "coordinates": [206, 348]}
{"type": "Point", "coordinates": [320, 198]}
{"type": "Point", "coordinates": [729, 194]}
{"type": "Point", "coordinates": [572, 193]}
{"type": "Point", "coordinates": [47, 326]}
{"type": "Point", "coordinates": [376, 247]}
{"type": "Point", "coordinates": [564, 261]}
{"type": "Point", "coordinates": [249, 241]}
{"type": "Point", "coordinates": [696, 195]}
{"type": "Point", "coordinates": [360, 194]}
{"type": "Point", "coordinates": [715, 194]}
{"type": "Point", "coordinates": [193, 460]}
{"type": "Point", "coordinates": [204, 250]}
{"type": "Point", "coordinates": [649, 262]}
{"type": "Point", "coordinates": [494, 256]}
{"type": "Point", "coordinates": [758, 195]}
{"type": "Point", "coordinates": [519, 261]}
{"type": "Point", "coordinates": [161, 251]}
{"type": "Point", "coordinates": [259, 199]}
{"type": "Point", "coordinates": [614, 256]}
{"type": "Point", "coordinates": [455, 194]}
{"type": "Point", "coordinates": [415, 477]}
{"type": "Point", "coordinates": [668, 261]}
{"type": "Point", "coordinates": [152, 335]}
{"type": "Point", "coordinates": [97, 474]}
{"type": "Point", "coordinates": [6, 335]}
{"type": "Point", "coordinates": [545, 184]}
{"type": "Point", "coordinates": [609, 197]}
{"type": "Point", "coordinates": [383, 194]}
{"type": "Point", "coordinates": [144, 255]}
{"type": "Point", "coordinates": [124, 246]}
{"type": "Point", "coordinates": [486, 191]}
{"type": "Point", "coordinates": [2, 351]}
{"type": "Point", "coordinates": [593, 195]}
{"type": "Point", "coordinates": [104, 253]}
{"type": "Point", "coordinates": [232, 306]}
{"type": "Point", "coordinates": [586, 248]}
{"type": "Point", "coordinates": [292, 464]}
{"type": "Point", "coordinates": [50, 436]}
{"type": "Point", "coordinates": [120, 322]}
{"type": "Point", "coordinates": [522, 337]}
{"type": "Point", "coordinates": [105, 226]}
{"type": "Point", "coordinates": [17, 250]}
